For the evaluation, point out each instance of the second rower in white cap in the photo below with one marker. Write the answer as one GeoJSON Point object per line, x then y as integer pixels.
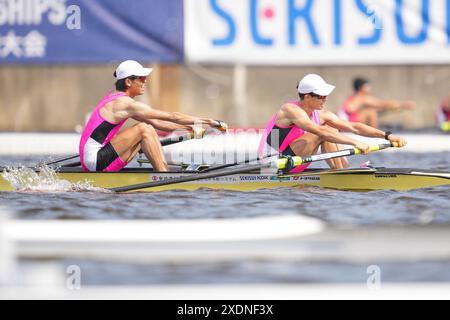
{"type": "Point", "coordinates": [300, 127]}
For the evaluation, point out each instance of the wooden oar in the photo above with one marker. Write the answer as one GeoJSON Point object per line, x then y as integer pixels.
{"type": "Point", "coordinates": [278, 164]}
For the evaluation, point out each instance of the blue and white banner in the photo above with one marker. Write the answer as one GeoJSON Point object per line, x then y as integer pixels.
{"type": "Point", "coordinates": [48, 31]}
{"type": "Point", "coordinates": [319, 32]}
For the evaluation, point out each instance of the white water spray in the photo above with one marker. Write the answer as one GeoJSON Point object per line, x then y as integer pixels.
{"type": "Point", "coordinates": [43, 179]}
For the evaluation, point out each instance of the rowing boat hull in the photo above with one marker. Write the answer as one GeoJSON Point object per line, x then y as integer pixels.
{"type": "Point", "coordinates": [350, 179]}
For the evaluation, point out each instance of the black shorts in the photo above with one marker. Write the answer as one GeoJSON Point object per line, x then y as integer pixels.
{"type": "Point", "coordinates": [105, 157]}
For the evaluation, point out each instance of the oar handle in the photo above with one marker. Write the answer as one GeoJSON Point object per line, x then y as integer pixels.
{"type": "Point", "coordinates": [378, 147]}
{"type": "Point", "coordinates": [175, 139]}
{"type": "Point", "coordinates": [296, 161]}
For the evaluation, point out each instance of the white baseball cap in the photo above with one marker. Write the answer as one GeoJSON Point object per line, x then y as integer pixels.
{"type": "Point", "coordinates": [131, 68]}
{"type": "Point", "coordinates": [313, 83]}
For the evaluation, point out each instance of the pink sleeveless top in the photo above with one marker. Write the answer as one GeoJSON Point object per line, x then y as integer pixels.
{"type": "Point", "coordinates": [99, 129]}
{"type": "Point", "coordinates": [352, 116]}
{"type": "Point", "coordinates": [287, 135]}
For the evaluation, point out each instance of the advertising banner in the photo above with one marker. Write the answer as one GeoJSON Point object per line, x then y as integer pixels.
{"type": "Point", "coordinates": [68, 31]}
{"type": "Point", "coordinates": [318, 32]}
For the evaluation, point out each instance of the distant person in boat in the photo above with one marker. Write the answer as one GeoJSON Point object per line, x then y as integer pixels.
{"type": "Point", "coordinates": [443, 114]}
{"type": "Point", "coordinates": [300, 127]}
{"type": "Point", "coordinates": [361, 106]}
{"type": "Point", "coordinates": [104, 148]}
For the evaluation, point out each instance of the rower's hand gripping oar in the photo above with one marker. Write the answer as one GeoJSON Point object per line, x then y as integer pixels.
{"type": "Point", "coordinates": [222, 126]}
{"type": "Point", "coordinates": [280, 164]}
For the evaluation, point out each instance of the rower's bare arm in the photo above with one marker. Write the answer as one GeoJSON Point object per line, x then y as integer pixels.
{"type": "Point", "coordinates": [143, 112]}
{"type": "Point", "coordinates": [168, 126]}
{"type": "Point", "coordinates": [359, 128]}
{"type": "Point", "coordinates": [171, 127]}
{"type": "Point", "coordinates": [354, 127]}
{"type": "Point", "coordinates": [301, 119]}
{"type": "Point", "coordinates": [382, 104]}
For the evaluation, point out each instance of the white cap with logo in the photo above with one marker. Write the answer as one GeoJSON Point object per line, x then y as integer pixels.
{"type": "Point", "coordinates": [131, 68]}
{"type": "Point", "coordinates": [313, 83]}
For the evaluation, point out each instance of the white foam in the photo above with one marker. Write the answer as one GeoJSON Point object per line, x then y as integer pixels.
{"type": "Point", "coordinates": [46, 180]}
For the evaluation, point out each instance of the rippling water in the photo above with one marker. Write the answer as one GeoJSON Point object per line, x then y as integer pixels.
{"type": "Point", "coordinates": [423, 206]}
{"type": "Point", "coordinates": [376, 207]}
{"type": "Point", "coordinates": [245, 272]}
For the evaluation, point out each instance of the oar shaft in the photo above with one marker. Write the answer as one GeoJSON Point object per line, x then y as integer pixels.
{"type": "Point", "coordinates": [282, 163]}
{"type": "Point", "coordinates": [61, 159]}
{"type": "Point", "coordinates": [193, 177]}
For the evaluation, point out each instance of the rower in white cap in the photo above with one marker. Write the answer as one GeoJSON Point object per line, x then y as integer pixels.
{"type": "Point", "coordinates": [104, 148]}
{"type": "Point", "coordinates": [300, 127]}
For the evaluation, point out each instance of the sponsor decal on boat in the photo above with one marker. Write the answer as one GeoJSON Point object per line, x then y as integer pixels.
{"type": "Point", "coordinates": [385, 175]}
{"type": "Point", "coordinates": [253, 178]}
{"type": "Point", "coordinates": [225, 179]}
{"type": "Point", "coordinates": [162, 178]}
{"type": "Point", "coordinates": [281, 178]}
{"type": "Point", "coordinates": [306, 178]}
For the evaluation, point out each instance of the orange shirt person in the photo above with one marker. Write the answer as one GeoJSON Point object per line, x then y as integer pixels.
{"type": "Point", "coordinates": [361, 106]}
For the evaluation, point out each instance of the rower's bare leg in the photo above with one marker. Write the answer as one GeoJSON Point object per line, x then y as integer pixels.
{"type": "Point", "coordinates": [128, 142]}
{"type": "Point", "coordinates": [306, 145]}
{"type": "Point", "coordinates": [336, 163]}
{"type": "Point", "coordinates": [152, 149]}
